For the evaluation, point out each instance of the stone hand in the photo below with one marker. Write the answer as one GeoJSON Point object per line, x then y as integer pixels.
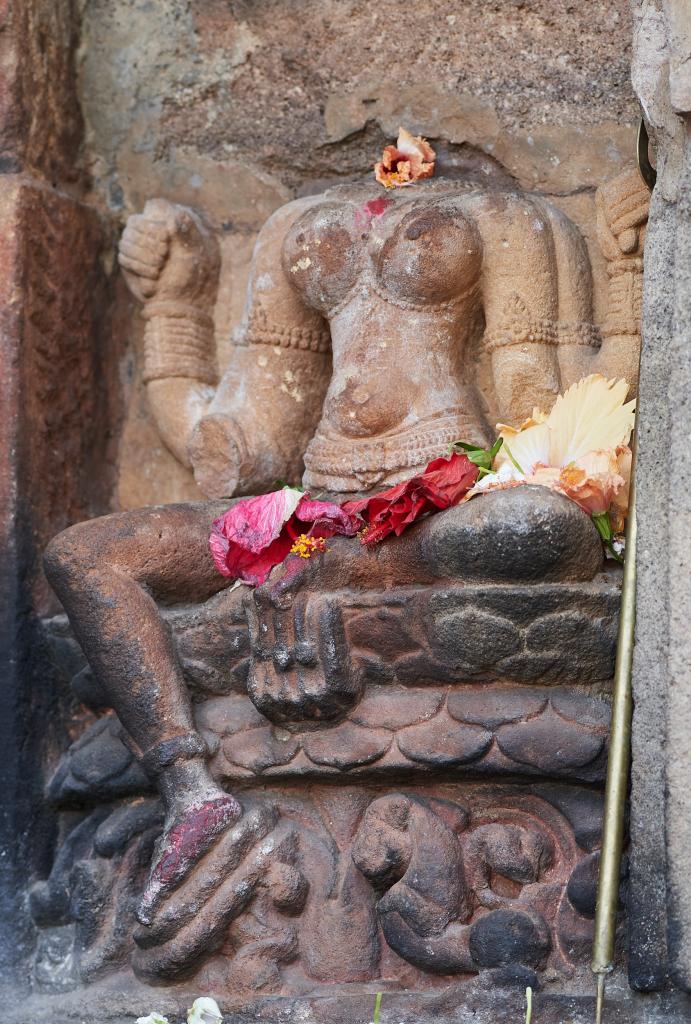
{"type": "Point", "coordinates": [300, 669]}
{"type": "Point", "coordinates": [168, 254]}
{"type": "Point", "coordinates": [622, 213]}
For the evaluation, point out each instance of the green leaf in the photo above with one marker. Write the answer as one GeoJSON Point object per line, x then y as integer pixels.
{"type": "Point", "coordinates": [481, 457]}
{"type": "Point", "coordinates": [604, 528]}
{"type": "Point", "coordinates": [377, 1005]}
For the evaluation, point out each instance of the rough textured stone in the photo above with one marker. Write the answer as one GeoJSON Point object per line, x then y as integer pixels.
{"type": "Point", "coordinates": [660, 900]}
{"type": "Point", "coordinates": [39, 111]}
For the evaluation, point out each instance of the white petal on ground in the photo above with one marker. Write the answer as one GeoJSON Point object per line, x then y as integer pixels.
{"type": "Point", "coordinates": [204, 1011]}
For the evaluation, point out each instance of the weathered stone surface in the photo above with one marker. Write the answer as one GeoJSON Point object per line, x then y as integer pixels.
{"type": "Point", "coordinates": [39, 110]}
{"type": "Point", "coordinates": [504, 936]}
{"type": "Point", "coordinates": [442, 744]}
{"type": "Point", "coordinates": [552, 745]}
{"type": "Point", "coordinates": [449, 547]}
{"type": "Point", "coordinates": [660, 899]}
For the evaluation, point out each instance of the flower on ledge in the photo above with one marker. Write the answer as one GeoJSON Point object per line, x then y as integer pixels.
{"type": "Point", "coordinates": [411, 159]}
{"type": "Point", "coordinates": [443, 483]}
{"type": "Point", "coordinates": [204, 1010]}
{"type": "Point", "coordinates": [256, 534]}
{"type": "Point", "coordinates": [580, 449]}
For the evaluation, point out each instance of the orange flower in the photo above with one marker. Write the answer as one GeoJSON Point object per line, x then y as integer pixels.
{"type": "Point", "coordinates": [592, 481]}
{"type": "Point", "coordinates": [411, 159]}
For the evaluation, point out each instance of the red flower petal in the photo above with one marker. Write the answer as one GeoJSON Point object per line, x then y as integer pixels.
{"type": "Point", "coordinates": [443, 484]}
{"type": "Point", "coordinates": [254, 522]}
{"type": "Point", "coordinates": [327, 518]}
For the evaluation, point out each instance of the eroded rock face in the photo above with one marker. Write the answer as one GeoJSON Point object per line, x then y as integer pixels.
{"type": "Point", "coordinates": [456, 872]}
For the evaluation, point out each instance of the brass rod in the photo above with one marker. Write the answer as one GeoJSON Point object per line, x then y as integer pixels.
{"type": "Point", "coordinates": [617, 763]}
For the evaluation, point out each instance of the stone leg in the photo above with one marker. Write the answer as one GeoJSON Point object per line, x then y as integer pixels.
{"type": "Point", "coordinates": [109, 573]}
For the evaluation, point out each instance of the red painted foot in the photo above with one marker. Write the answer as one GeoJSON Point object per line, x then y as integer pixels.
{"type": "Point", "coordinates": [183, 845]}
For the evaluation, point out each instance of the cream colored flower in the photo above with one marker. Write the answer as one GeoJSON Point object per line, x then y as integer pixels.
{"type": "Point", "coordinates": [204, 1011]}
{"type": "Point", "coordinates": [580, 449]}
{"type": "Point", "coordinates": [153, 1018]}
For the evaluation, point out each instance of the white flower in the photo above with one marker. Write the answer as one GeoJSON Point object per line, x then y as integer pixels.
{"type": "Point", "coordinates": [204, 1011]}
{"type": "Point", "coordinates": [153, 1018]}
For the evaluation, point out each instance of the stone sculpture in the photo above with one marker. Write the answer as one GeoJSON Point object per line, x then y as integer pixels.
{"type": "Point", "coordinates": [451, 654]}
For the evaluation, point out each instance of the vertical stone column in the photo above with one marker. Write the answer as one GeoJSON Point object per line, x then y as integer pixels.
{"type": "Point", "coordinates": [57, 372]}
{"type": "Point", "coordinates": [660, 904]}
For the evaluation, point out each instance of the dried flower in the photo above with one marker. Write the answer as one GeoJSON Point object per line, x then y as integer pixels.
{"type": "Point", "coordinates": [580, 450]}
{"type": "Point", "coordinates": [411, 159]}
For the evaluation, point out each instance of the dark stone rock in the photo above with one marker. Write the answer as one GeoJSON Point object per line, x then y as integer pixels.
{"type": "Point", "coordinates": [98, 767]}
{"type": "Point", "coordinates": [114, 834]}
{"type": "Point", "coordinates": [519, 534]}
{"type": "Point", "coordinates": [442, 742]}
{"type": "Point", "coordinates": [346, 746]}
{"type": "Point", "coordinates": [550, 743]}
{"type": "Point", "coordinates": [508, 936]}
{"type": "Point", "coordinates": [582, 808]}
{"type": "Point", "coordinates": [492, 708]}
{"type": "Point", "coordinates": [471, 639]}
{"type": "Point", "coordinates": [582, 886]}
{"type": "Point", "coordinates": [570, 635]}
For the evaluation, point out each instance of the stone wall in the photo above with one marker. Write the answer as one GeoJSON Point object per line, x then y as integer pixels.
{"type": "Point", "coordinates": [237, 107]}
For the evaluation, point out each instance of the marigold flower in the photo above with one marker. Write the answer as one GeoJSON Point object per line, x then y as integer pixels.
{"type": "Point", "coordinates": [411, 159]}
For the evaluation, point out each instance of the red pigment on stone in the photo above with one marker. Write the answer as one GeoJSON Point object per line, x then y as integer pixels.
{"type": "Point", "coordinates": [365, 214]}
{"type": "Point", "coordinates": [186, 840]}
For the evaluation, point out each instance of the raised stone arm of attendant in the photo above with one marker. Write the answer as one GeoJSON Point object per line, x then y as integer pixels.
{"type": "Point", "coordinates": [243, 434]}
{"type": "Point", "coordinates": [536, 284]}
{"type": "Point", "coordinates": [622, 215]}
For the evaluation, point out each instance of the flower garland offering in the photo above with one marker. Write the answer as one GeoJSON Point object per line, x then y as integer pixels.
{"type": "Point", "coordinates": [580, 450]}
{"type": "Point", "coordinates": [410, 160]}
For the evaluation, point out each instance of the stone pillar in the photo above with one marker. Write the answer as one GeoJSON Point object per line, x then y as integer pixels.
{"type": "Point", "coordinates": [660, 904]}
{"type": "Point", "coordinates": [55, 369]}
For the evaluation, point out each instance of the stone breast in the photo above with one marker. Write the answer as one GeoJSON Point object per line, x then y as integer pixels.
{"type": "Point", "coordinates": [412, 252]}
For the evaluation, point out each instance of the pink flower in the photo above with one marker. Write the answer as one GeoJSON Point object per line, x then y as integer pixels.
{"type": "Point", "coordinates": [256, 534]}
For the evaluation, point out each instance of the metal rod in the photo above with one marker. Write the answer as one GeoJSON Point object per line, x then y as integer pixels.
{"type": "Point", "coordinates": [617, 763]}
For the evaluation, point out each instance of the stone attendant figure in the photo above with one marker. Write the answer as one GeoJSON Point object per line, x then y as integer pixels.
{"type": "Point", "coordinates": [366, 316]}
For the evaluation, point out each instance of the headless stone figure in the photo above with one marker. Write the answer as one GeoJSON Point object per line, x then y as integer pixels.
{"type": "Point", "coordinates": [355, 361]}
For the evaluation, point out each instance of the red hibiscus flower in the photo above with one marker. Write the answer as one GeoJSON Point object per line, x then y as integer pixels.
{"type": "Point", "coordinates": [443, 484]}
{"type": "Point", "coordinates": [256, 534]}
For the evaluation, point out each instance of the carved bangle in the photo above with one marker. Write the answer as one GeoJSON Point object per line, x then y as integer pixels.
{"type": "Point", "coordinates": [580, 334]}
{"type": "Point", "coordinates": [536, 332]}
{"type": "Point", "coordinates": [180, 748]}
{"type": "Point", "coordinates": [307, 339]}
{"type": "Point", "coordinates": [180, 347]}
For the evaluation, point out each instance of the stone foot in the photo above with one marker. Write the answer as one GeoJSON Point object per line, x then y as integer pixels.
{"type": "Point", "coordinates": [185, 841]}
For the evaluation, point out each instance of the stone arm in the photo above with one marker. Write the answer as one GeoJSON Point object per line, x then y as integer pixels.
{"type": "Point", "coordinates": [622, 214]}
{"type": "Point", "coordinates": [622, 217]}
{"type": "Point", "coordinates": [253, 428]}
{"type": "Point", "coordinates": [520, 301]}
